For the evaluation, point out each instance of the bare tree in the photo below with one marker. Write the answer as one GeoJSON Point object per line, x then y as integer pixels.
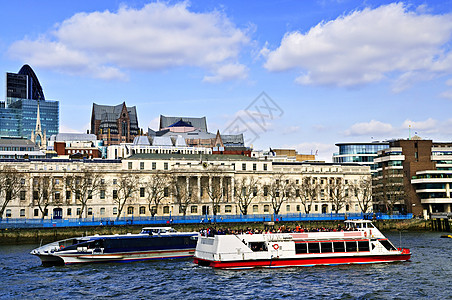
{"type": "Point", "coordinates": [362, 190]}
{"type": "Point", "coordinates": [214, 190]}
{"type": "Point", "coordinates": [246, 189]}
{"type": "Point", "coordinates": [338, 193]}
{"type": "Point", "coordinates": [394, 192]}
{"type": "Point", "coordinates": [155, 188]}
{"type": "Point", "coordinates": [84, 185]}
{"type": "Point", "coordinates": [184, 194]}
{"type": "Point", "coordinates": [127, 186]}
{"type": "Point", "coordinates": [43, 189]}
{"type": "Point", "coordinates": [279, 190]}
{"type": "Point", "coordinates": [307, 192]}
{"type": "Point", "coordinates": [10, 186]}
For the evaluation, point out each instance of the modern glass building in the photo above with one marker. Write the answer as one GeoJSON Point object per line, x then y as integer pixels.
{"type": "Point", "coordinates": [18, 116]}
{"type": "Point", "coordinates": [361, 153]}
{"type": "Point", "coordinates": [27, 111]}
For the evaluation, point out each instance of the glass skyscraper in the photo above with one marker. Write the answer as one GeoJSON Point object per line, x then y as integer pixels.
{"type": "Point", "coordinates": [18, 116]}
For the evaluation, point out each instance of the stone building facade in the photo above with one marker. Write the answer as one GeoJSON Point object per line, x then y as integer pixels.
{"type": "Point", "coordinates": [198, 175]}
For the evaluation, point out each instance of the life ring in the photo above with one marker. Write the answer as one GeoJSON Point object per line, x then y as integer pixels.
{"type": "Point", "coordinates": [275, 246]}
{"type": "Point", "coordinates": [365, 234]}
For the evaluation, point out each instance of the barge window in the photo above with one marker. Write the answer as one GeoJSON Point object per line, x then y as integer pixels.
{"type": "Point", "coordinates": [257, 246]}
{"type": "Point", "coordinates": [339, 246]}
{"type": "Point", "coordinates": [387, 245]}
{"type": "Point", "coordinates": [326, 247]}
{"type": "Point", "coordinates": [301, 248]}
{"type": "Point", "coordinates": [351, 246]}
{"type": "Point", "coordinates": [314, 247]}
{"type": "Point", "coordinates": [363, 246]}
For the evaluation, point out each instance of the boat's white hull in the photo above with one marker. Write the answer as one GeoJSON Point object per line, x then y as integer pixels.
{"type": "Point", "coordinates": [79, 258]}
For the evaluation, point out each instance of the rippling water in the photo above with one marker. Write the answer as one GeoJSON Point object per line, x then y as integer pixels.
{"type": "Point", "coordinates": [428, 274]}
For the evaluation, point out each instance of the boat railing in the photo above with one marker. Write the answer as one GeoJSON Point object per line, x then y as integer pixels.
{"type": "Point", "coordinates": [203, 220]}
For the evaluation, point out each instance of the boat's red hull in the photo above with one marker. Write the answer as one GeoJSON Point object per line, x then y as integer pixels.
{"type": "Point", "coordinates": [306, 261]}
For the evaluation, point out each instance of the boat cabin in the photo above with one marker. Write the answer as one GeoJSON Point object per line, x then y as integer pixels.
{"type": "Point", "coordinates": [157, 230]}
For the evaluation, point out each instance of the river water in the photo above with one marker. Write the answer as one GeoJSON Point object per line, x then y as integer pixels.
{"type": "Point", "coordinates": [428, 274]}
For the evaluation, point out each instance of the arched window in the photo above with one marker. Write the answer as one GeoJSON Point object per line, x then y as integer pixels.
{"type": "Point", "coordinates": [124, 128]}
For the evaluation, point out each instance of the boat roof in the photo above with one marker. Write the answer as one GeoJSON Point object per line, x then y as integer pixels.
{"type": "Point", "coordinates": [160, 228]}
{"type": "Point", "coordinates": [358, 221]}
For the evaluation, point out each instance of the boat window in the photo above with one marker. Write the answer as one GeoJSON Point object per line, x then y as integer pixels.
{"type": "Point", "coordinates": [387, 245]}
{"type": "Point", "coordinates": [301, 248]}
{"type": "Point", "coordinates": [363, 246]}
{"type": "Point", "coordinates": [314, 247]}
{"type": "Point", "coordinates": [339, 246]}
{"type": "Point", "coordinates": [257, 246]}
{"type": "Point", "coordinates": [350, 246]}
{"type": "Point", "coordinates": [326, 247]}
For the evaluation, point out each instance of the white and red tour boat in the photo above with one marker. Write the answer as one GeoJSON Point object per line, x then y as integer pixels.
{"type": "Point", "coordinates": [360, 243]}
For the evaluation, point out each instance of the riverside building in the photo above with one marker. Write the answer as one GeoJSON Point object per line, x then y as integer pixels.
{"type": "Point", "coordinates": [414, 176]}
{"type": "Point", "coordinates": [19, 113]}
{"type": "Point", "coordinates": [191, 184]}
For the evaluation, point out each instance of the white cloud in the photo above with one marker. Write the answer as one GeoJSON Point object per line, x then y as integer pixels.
{"type": "Point", "coordinates": [428, 126]}
{"type": "Point", "coordinates": [366, 46]}
{"type": "Point", "coordinates": [157, 36]}
{"type": "Point", "coordinates": [228, 72]}
{"type": "Point", "coordinates": [449, 82]}
{"type": "Point", "coordinates": [370, 128]}
{"type": "Point", "coordinates": [290, 129]}
{"type": "Point", "coordinates": [154, 123]}
{"type": "Point", "coordinates": [446, 95]}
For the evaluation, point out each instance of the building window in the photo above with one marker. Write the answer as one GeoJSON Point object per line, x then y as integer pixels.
{"type": "Point", "coordinates": [243, 167]}
{"type": "Point", "coordinates": [102, 211]}
{"type": "Point", "coordinates": [166, 192]}
{"type": "Point", "coordinates": [298, 208]}
{"type": "Point", "coordinates": [265, 191]}
{"type": "Point", "coordinates": [130, 210]}
{"type": "Point", "coordinates": [115, 194]}
{"type": "Point", "coordinates": [22, 212]}
{"type": "Point", "coordinates": [69, 211]}
{"type": "Point", "coordinates": [166, 209]}
{"type": "Point", "coordinates": [57, 196]}
{"type": "Point", "coordinates": [154, 165]}
{"type": "Point", "coordinates": [255, 209]}
{"type": "Point", "coordinates": [115, 181]}
{"type": "Point", "coordinates": [228, 209]}
{"type": "Point", "coordinates": [8, 213]}
{"type": "Point", "coordinates": [68, 195]}
{"type": "Point", "coordinates": [142, 192]}
{"type": "Point", "coordinates": [115, 210]}
{"type": "Point", "coordinates": [78, 211]}
{"type": "Point", "coordinates": [22, 195]}
{"type": "Point", "coordinates": [90, 211]}
{"type": "Point", "coordinates": [265, 167]}
{"type": "Point", "coordinates": [90, 194]}
{"type": "Point", "coordinates": [194, 209]}
{"type": "Point", "coordinates": [102, 194]}
{"type": "Point", "coordinates": [130, 165]}
{"type": "Point", "coordinates": [254, 167]}
{"type": "Point", "coordinates": [287, 207]}
{"type": "Point", "coordinates": [142, 210]}
{"type": "Point", "coordinates": [266, 208]}
{"type": "Point", "coordinates": [36, 212]}
{"type": "Point", "coordinates": [165, 166]}
{"type": "Point", "coordinates": [141, 165]}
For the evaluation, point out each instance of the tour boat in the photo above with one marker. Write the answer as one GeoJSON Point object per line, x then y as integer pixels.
{"type": "Point", "coordinates": [359, 243]}
{"type": "Point", "coordinates": [150, 243]}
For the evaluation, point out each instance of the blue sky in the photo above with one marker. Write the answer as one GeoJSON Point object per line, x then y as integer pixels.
{"type": "Point", "coordinates": [332, 71]}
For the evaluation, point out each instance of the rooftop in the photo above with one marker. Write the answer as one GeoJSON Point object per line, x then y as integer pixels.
{"type": "Point", "coordinates": [194, 157]}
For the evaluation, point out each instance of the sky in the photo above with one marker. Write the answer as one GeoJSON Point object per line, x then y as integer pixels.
{"type": "Point", "coordinates": [288, 74]}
